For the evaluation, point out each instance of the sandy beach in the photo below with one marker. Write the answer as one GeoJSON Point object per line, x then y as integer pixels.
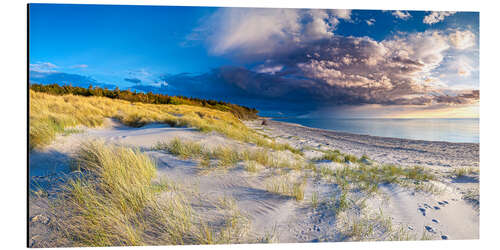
{"type": "Point", "coordinates": [449, 211]}
{"type": "Point", "coordinates": [382, 149]}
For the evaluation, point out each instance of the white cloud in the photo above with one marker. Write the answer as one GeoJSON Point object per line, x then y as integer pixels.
{"type": "Point", "coordinates": [79, 66]}
{"type": "Point", "coordinates": [269, 69]}
{"type": "Point", "coordinates": [405, 15]}
{"type": "Point", "coordinates": [263, 30]}
{"type": "Point", "coordinates": [462, 39]}
{"type": "Point", "coordinates": [43, 67]}
{"type": "Point", "coordinates": [255, 29]}
{"type": "Point", "coordinates": [370, 22]}
{"type": "Point", "coordinates": [321, 25]}
{"type": "Point", "coordinates": [143, 75]}
{"type": "Point", "coordinates": [426, 47]}
{"type": "Point", "coordinates": [437, 16]}
{"type": "Point", "coordinates": [363, 62]}
{"type": "Point", "coordinates": [343, 14]}
{"type": "Point", "coordinates": [461, 66]}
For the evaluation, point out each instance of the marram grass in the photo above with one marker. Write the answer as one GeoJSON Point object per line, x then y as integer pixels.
{"type": "Point", "coordinates": [51, 115]}
{"type": "Point", "coordinates": [114, 202]}
{"type": "Point", "coordinates": [228, 157]}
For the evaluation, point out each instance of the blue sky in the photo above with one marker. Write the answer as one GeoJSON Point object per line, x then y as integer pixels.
{"type": "Point", "coordinates": [116, 40]}
{"type": "Point", "coordinates": [329, 59]}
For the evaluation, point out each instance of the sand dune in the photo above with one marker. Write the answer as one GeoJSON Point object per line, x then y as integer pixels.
{"type": "Point", "coordinates": [444, 215]}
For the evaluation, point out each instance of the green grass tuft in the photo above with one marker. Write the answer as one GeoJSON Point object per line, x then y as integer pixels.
{"type": "Point", "coordinates": [183, 149]}
{"type": "Point", "coordinates": [284, 185]}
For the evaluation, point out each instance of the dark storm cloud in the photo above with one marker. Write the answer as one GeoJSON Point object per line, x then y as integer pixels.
{"type": "Point", "coordinates": [463, 98]}
{"type": "Point", "coordinates": [337, 70]}
{"type": "Point", "coordinates": [296, 55]}
{"type": "Point", "coordinates": [290, 87]}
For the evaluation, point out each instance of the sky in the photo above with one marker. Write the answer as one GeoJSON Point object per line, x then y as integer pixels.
{"type": "Point", "coordinates": [307, 62]}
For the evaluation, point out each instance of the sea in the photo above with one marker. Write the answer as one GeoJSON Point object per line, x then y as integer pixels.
{"type": "Point", "coordinates": [441, 129]}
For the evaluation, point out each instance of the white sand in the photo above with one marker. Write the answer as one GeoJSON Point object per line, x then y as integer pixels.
{"type": "Point", "coordinates": [294, 221]}
{"type": "Point", "coordinates": [381, 149]}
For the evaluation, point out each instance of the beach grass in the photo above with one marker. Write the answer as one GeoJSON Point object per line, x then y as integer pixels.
{"type": "Point", "coordinates": [472, 196]}
{"type": "Point", "coordinates": [366, 224]}
{"type": "Point", "coordinates": [183, 149]}
{"type": "Point", "coordinates": [338, 157]}
{"type": "Point", "coordinates": [367, 227]}
{"type": "Point", "coordinates": [270, 236]}
{"type": "Point", "coordinates": [464, 171]}
{"type": "Point", "coordinates": [368, 178]}
{"type": "Point", "coordinates": [50, 115]}
{"type": "Point", "coordinates": [332, 155]}
{"type": "Point", "coordinates": [315, 199]}
{"type": "Point", "coordinates": [287, 186]}
{"type": "Point", "coordinates": [251, 166]}
{"type": "Point", "coordinates": [114, 202]}
{"type": "Point", "coordinates": [355, 222]}
{"type": "Point", "coordinates": [228, 157]}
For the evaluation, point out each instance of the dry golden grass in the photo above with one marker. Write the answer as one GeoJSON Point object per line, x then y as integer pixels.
{"type": "Point", "coordinates": [287, 186]}
{"type": "Point", "coordinates": [464, 171]}
{"type": "Point", "coordinates": [183, 149]}
{"type": "Point", "coordinates": [368, 178]}
{"type": "Point", "coordinates": [51, 115]}
{"type": "Point", "coordinates": [115, 203]}
{"type": "Point", "coordinates": [228, 157]}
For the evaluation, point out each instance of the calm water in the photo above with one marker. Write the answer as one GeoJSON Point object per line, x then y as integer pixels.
{"type": "Point", "coordinates": [451, 130]}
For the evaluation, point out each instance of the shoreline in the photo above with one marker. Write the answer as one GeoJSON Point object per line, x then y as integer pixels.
{"type": "Point", "coordinates": [389, 150]}
{"type": "Point", "coordinates": [358, 134]}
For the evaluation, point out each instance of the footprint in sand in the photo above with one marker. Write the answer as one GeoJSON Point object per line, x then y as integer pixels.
{"type": "Point", "coordinates": [442, 203]}
{"type": "Point", "coordinates": [429, 229]}
{"type": "Point", "coordinates": [422, 210]}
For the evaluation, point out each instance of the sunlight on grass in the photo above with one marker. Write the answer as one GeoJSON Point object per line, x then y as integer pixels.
{"type": "Point", "coordinates": [228, 157]}
{"type": "Point", "coordinates": [50, 115]}
{"type": "Point", "coordinates": [368, 178]}
{"type": "Point", "coordinates": [285, 185]}
{"type": "Point", "coordinates": [115, 203]}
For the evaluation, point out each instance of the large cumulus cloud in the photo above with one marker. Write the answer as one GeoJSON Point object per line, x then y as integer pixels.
{"type": "Point", "coordinates": [260, 31]}
{"type": "Point", "coordinates": [296, 55]}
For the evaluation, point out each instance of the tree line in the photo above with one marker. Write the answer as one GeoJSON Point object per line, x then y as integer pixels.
{"type": "Point", "coordinates": [239, 111]}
